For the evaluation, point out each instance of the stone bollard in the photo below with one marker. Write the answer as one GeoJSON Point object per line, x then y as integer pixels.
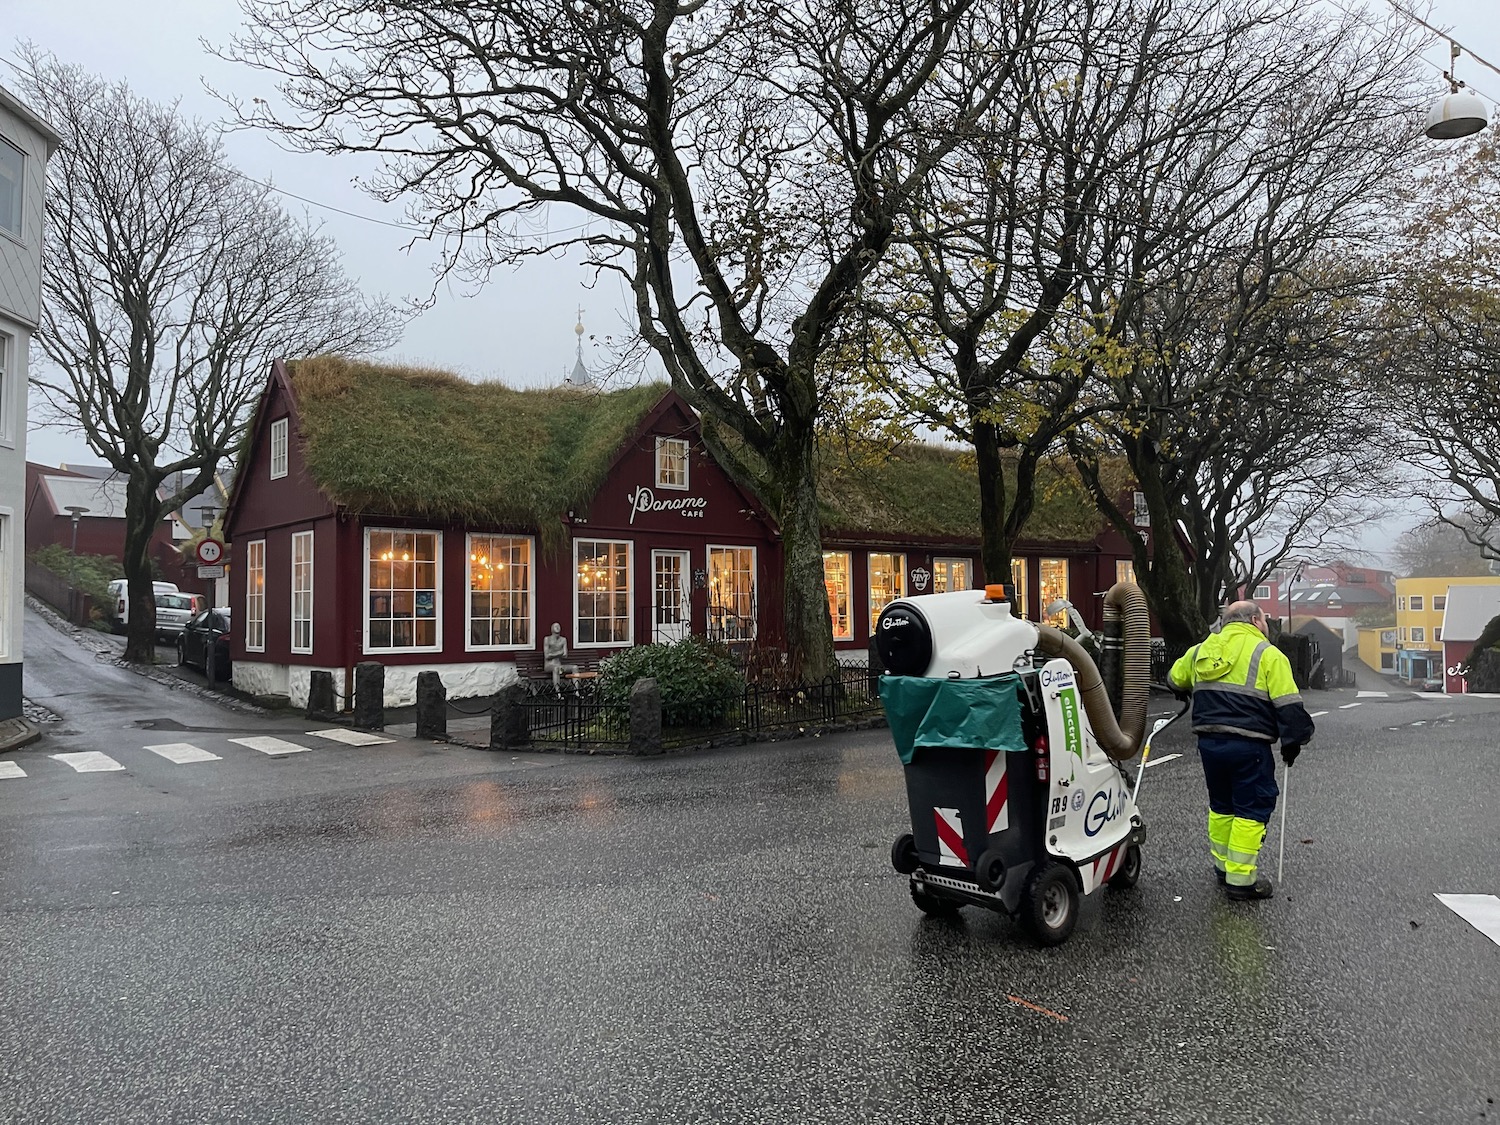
{"type": "Point", "coordinates": [321, 705]}
{"type": "Point", "coordinates": [369, 695]}
{"type": "Point", "coordinates": [645, 717]}
{"type": "Point", "coordinates": [508, 726]}
{"type": "Point", "coordinates": [432, 706]}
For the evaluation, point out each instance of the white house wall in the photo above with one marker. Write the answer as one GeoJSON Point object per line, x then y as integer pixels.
{"type": "Point", "coordinates": [462, 680]}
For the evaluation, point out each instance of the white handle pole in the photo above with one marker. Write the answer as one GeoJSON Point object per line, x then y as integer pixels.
{"type": "Point", "coordinates": [1286, 779]}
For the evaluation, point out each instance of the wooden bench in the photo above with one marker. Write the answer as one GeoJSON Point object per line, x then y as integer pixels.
{"type": "Point", "coordinates": [531, 667]}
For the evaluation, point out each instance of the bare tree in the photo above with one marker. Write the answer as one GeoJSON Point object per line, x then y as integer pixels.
{"type": "Point", "coordinates": [170, 283]}
{"type": "Point", "coordinates": [741, 166]}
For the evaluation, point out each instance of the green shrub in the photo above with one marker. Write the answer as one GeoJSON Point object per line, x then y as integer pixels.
{"type": "Point", "coordinates": [90, 573]}
{"type": "Point", "coordinates": [699, 681]}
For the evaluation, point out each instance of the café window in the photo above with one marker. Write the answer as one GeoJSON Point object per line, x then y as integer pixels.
{"type": "Point", "coordinates": [255, 596]}
{"type": "Point", "coordinates": [500, 592]}
{"type": "Point", "coordinates": [1125, 572]}
{"type": "Point", "coordinates": [838, 576]}
{"type": "Point", "coordinates": [278, 448]}
{"type": "Point", "coordinates": [601, 591]}
{"type": "Point", "coordinates": [949, 575]}
{"type": "Point", "coordinates": [671, 462]}
{"type": "Point", "coordinates": [1018, 580]}
{"type": "Point", "coordinates": [302, 591]}
{"type": "Point", "coordinates": [1053, 580]}
{"type": "Point", "coordinates": [731, 593]}
{"type": "Point", "coordinates": [401, 580]}
{"type": "Point", "coordinates": [887, 582]}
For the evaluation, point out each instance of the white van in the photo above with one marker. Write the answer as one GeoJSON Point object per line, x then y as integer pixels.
{"type": "Point", "coordinates": [173, 608]}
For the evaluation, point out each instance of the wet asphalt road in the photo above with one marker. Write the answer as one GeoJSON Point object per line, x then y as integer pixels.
{"type": "Point", "coordinates": [416, 932]}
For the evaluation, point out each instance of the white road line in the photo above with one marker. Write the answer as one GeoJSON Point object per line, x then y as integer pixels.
{"type": "Point", "coordinates": [1319, 714]}
{"type": "Point", "coordinates": [1158, 761]}
{"type": "Point", "coordinates": [1373, 695]}
{"type": "Point", "coordinates": [10, 769]}
{"type": "Point", "coordinates": [267, 745]}
{"type": "Point", "coordinates": [1346, 706]}
{"type": "Point", "coordinates": [350, 737]}
{"type": "Point", "coordinates": [183, 752]}
{"type": "Point", "coordinates": [1480, 911]}
{"type": "Point", "coordinates": [89, 761]}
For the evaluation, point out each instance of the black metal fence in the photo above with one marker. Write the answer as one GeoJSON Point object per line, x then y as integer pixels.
{"type": "Point", "coordinates": [578, 717]}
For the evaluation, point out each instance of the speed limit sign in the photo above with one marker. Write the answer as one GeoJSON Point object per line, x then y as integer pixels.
{"type": "Point", "coordinates": [210, 552]}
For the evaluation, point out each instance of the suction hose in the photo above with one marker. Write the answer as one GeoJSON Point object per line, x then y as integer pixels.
{"type": "Point", "coordinates": [1121, 739]}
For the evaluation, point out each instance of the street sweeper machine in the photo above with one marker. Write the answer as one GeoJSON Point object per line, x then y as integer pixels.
{"type": "Point", "coordinates": [1014, 755]}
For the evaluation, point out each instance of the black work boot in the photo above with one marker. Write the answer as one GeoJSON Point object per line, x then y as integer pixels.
{"type": "Point", "coordinates": [1263, 888]}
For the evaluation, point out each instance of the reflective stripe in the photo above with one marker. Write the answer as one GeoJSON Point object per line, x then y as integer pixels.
{"type": "Point", "coordinates": [1228, 728]}
{"type": "Point", "coordinates": [1219, 825]}
{"type": "Point", "coordinates": [1230, 689]}
{"type": "Point", "coordinates": [1283, 700]}
{"type": "Point", "coordinates": [1255, 664]}
{"type": "Point", "coordinates": [1245, 838]}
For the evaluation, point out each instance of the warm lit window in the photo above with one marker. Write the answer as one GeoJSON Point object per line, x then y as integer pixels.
{"type": "Point", "coordinates": [949, 575]}
{"type": "Point", "coordinates": [1125, 571]}
{"type": "Point", "coordinates": [1416, 603]}
{"type": "Point", "coordinates": [1439, 602]}
{"type": "Point", "coordinates": [1053, 579]}
{"type": "Point", "coordinates": [1018, 580]}
{"type": "Point", "coordinates": [255, 596]}
{"type": "Point", "coordinates": [838, 571]}
{"type": "Point", "coordinates": [671, 462]}
{"type": "Point", "coordinates": [601, 591]}
{"type": "Point", "coordinates": [500, 592]}
{"type": "Point", "coordinates": [401, 581]}
{"type": "Point", "coordinates": [887, 582]}
{"type": "Point", "coordinates": [12, 186]}
{"type": "Point", "coordinates": [1418, 635]}
{"type": "Point", "coordinates": [278, 448]}
{"type": "Point", "coordinates": [731, 593]}
{"type": "Point", "coordinates": [302, 591]}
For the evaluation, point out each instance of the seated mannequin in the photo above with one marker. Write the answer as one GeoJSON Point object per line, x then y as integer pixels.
{"type": "Point", "coordinates": [555, 655]}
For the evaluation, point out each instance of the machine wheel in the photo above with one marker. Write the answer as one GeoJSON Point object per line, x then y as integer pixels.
{"type": "Point", "coordinates": [904, 856]}
{"type": "Point", "coordinates": [1130, 871]}
{"type": "Point", "coordinates": [1050, 905]}
{"type": "Point", "coordinates": [989, 871]}
{"type": "Point", "coordinates": [931, 905]}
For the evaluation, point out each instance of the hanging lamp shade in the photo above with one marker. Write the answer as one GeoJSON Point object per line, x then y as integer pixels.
{"type": "Point", "coordinates": [1457, 114]}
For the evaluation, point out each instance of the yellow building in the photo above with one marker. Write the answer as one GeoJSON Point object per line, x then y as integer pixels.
{"type": "Point", "coordinates": [1420, 603]}
{"type": "Point", "coordinates": [1377, 647]}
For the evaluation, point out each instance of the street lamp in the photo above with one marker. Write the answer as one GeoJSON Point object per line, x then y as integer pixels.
{"type": "Point", "coordinates": [74, 510]}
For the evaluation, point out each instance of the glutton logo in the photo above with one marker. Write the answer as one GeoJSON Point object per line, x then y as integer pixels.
{"type": "Point", "coordinates": [1105, 806]}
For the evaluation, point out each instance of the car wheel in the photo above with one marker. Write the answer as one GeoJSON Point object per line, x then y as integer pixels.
{"type": "Point", "coordinates": [1049, 907]}
{"type": "Point", "coordinates": [181, 654]}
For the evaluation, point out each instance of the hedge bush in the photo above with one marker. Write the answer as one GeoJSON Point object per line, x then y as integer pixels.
{"type": "Point", "coordinates": [699, 681]}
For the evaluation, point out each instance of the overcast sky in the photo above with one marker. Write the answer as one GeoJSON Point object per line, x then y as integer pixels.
{"type": "Point", "coordinates": [519, 328]}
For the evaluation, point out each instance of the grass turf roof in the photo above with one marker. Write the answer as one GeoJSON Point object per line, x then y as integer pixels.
{"type": "Point", "coordinates": [387, 439]}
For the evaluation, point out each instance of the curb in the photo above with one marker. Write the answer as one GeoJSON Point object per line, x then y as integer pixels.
{"type": "Point", "coordinates": [15, 733]}
{"type": "Point", "coordinates": [106, 651]}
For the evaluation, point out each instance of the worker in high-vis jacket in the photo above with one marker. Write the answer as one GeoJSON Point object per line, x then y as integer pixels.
{"type": "Point", "coordinates": [1244, 701]}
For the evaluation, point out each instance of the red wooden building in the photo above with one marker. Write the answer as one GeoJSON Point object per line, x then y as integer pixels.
{"type": "Point", "coordinates": [429, 523]}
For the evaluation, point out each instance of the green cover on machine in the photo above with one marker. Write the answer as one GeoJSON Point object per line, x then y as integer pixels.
{"type": "Point", "coordinates": [982, 714]}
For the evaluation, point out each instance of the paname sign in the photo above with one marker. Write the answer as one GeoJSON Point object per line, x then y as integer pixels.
{"type": "Point", "coordinates": [644, 500]}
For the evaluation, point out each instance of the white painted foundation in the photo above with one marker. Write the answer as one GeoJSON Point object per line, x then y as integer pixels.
{"type": "Point", "coordinates": [463, 680]}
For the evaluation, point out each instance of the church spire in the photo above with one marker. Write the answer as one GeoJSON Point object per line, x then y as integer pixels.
{"type": "Point", "coordinates": [579, 376]}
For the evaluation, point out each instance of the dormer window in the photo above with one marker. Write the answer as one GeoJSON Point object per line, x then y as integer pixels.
{"type": "Point", "coordinates": [671, 463]}
{"type": "Point", "coordinates": [278, 448]}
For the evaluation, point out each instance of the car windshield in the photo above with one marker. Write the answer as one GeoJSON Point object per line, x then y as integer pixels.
{"type": "Point", "coordinates": [173, 601]}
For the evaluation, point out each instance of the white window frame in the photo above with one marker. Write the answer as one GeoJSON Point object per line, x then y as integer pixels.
{"type": "Point", "coordinates": [7, 607]}
{"type": "Point", "coordinates": [1262, 594]}
{"type": "Point", "coordinates": [629, 640]}
{"type": "Point", "coordinates": [1436, 598]}
{"type": "Point", "coordinates": [946, 563]}
{"type": "Point", "coordinates": [754, 582]}
{"type": "Point", "coordinates": [848, 591]}
{"type": "Point", "coordinates": [7, 350]}
{"type": "Point", "coordinates": [19, 234]}
{"type": "Point", "coordinates": [1419, 634]}
{"type": "Point", "coordinates": [1060, 619]}
{"type": "Point", "coordinates": [437, 591]}
{"type": "Point", "coordinates": [302, 595]}
{"type": "Point", "coordinates": [662, 444]}
{"type": "Point", "coordinates": [1020, 581]}
{"type": "Point", "coordinates": [1417, 603]}
{"type": "Point", "coordinates": [255, 603]}
{"type": "Point", "coordinates": [278, 448]}
{"type": "Point", "coordinates": [898, 568]}
{"type": "Point", "coordinates": [530, 643]}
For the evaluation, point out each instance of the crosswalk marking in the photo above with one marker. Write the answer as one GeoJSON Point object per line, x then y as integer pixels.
{"type": "Point", "coordinates": [183, 752]}
{"type": "Point", "coordinates": [1158, 761]}
{"type": "Point", "coordinates": [88, 761]}
{"type": "Point", "coordinates": [350, 737]}
{"type": "Point", "coordinates": [268, 745]}
{"type": "Point", "coordinates": [1346, 706]}
{"type": "Point", "coordinates": [1319, 714]}
{"type": "Point", "coordinates": [10, 769]}
{"type": "Point", "coordinates": [1373, 695]}
{"type": "Point", "coordinates": [1480, 911]}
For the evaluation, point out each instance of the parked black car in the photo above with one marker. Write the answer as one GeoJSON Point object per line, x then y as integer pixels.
{"type": "Point", "coordinates": [204, 643]}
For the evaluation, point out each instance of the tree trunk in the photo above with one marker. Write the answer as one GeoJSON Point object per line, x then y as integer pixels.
{"type": "Point", "coordinates": [809, 629]}
{"type": "Point", "coordinates": [996, 543]}
{"type": "Point", "coordinates": [1169, 586]}
{"type": "Point", "coordinates": [141, 514]}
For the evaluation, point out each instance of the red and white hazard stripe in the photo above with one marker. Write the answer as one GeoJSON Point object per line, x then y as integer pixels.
{"type": "Point", "coordinates": [950, 834]}
{"type": "Point", "coordinates": [1099, 871]}
{"type": "Point", "coordinates": [996, 813]}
